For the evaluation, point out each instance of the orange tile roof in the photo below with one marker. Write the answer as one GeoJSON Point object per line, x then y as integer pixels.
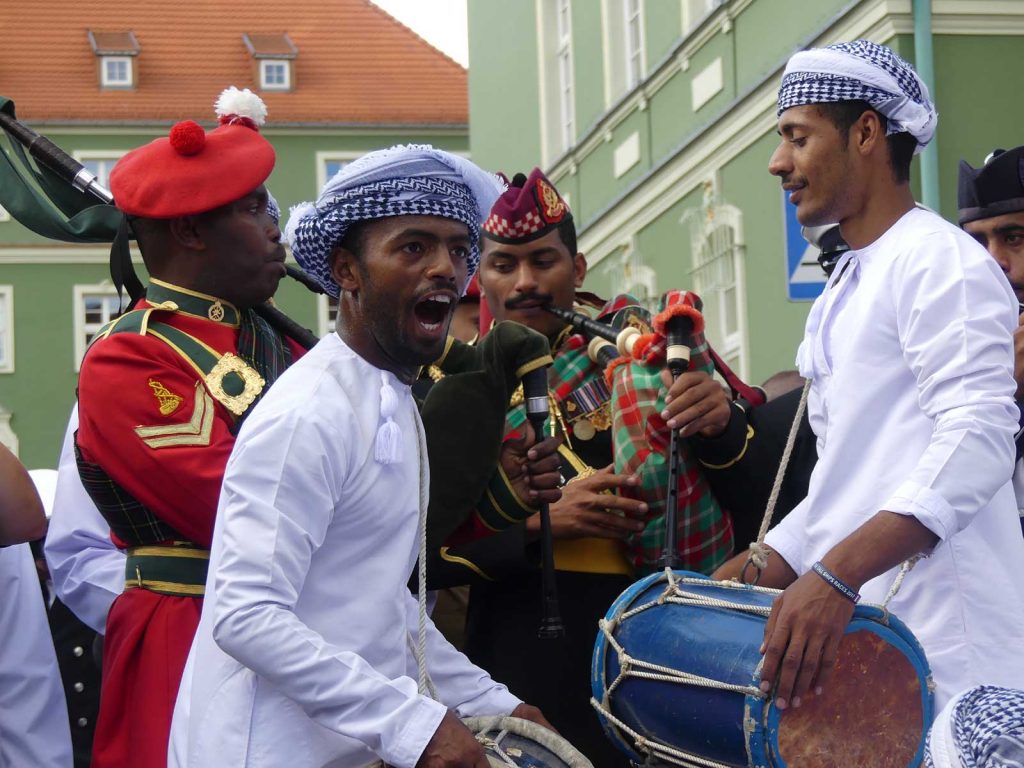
{"type": "Point", "coordinates": [356, 64]}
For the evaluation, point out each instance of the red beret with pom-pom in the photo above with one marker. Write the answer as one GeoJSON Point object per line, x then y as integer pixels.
{"type": "Point", "coordinates": [191, 171]}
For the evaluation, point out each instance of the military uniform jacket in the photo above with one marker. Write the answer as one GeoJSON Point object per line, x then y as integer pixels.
{"type": "Point", "coordinates": [156, 425]}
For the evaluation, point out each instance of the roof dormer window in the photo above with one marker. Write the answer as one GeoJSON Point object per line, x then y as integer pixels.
{"type": "Point", "coordinates": [274, 55]}
{"type": "Point", "coordinates": [116, 53]}
{"type": "Point", "coordinates": [275, 74]}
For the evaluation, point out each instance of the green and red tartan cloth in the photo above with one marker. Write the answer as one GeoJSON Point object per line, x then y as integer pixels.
{"type": "Point", "coordinates": [641, 440]}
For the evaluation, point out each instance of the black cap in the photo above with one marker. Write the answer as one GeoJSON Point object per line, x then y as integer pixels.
{"type": "Point", "coordinates": [994, 189]}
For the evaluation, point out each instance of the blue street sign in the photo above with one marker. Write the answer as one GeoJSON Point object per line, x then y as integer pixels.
{"type": "Point", "coordinates": [805, 279]}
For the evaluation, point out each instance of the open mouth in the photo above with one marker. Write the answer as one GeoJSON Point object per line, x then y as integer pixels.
{"type": "Point", "coordinates": [432, 311]}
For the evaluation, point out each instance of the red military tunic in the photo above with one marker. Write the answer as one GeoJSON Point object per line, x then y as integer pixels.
{"type": "Point", "coordinates": [149, 421]}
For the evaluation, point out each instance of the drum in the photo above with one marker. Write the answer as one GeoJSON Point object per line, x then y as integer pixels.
{"type": "Point", "coordinates": [676, 674]}
{"type": "Point", "coordinates": [511, 742]}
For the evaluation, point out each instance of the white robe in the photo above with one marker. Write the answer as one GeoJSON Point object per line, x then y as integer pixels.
{"type": "Point", "coordinates": [302, 654]}
{"type": "Point", "coordinates": [86, 568]}
{"type": "Point", "coordinates": [910, 353]}
{"type": "Point", "coordinates": [34, 728]}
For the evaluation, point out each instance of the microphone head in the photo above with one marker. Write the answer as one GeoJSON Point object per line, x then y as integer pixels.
{"type": "Point", "coordinates": [535, 394]}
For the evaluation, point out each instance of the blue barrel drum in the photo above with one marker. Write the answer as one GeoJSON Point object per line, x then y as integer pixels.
{"type": "Point", "coordinates": [675, 678]}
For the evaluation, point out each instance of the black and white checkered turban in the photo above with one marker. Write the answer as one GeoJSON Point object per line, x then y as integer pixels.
{"type": "Point", "coordinates": [982, 727]}
{"type": "Point", "coordinates": [400, 181]}
{"type": "Point", "coordinates": [862, 71]}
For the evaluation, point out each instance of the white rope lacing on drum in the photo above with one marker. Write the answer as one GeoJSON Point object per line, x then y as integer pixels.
{"type": "Point", "coordinates": [630, 666]}
{"type": "Point", "coordinates": [654, 748]}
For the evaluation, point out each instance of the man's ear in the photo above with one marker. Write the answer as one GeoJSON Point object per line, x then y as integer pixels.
{"type": "Point", "coordinates": [344, 269]}
{"type": "Point", "coordinates": [867, 134]}
{"type": "Point", "coordinates": [579, 269]}
{"type": "Point", "coordinates": [185, 230]}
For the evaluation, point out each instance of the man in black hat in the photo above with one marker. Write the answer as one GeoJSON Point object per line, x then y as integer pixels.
{"type": "Point", "coordinates": [991, 203]}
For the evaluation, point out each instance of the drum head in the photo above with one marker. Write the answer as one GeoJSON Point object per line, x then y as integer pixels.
{"type": "Point", "coordinates": [510, 741]}
{"type": "Point", "coordinates": [870, 713]}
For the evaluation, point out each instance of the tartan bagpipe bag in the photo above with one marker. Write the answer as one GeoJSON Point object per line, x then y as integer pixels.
{"type": "Point", "coordinates": [641, 446]}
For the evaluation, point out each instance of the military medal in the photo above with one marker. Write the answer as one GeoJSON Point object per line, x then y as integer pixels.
{"type": "Point", "coordinates": [216, 311]}
{"type": "Point", "coordinates": [583, 429]}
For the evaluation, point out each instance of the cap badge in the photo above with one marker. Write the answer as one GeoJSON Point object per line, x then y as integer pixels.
{"type": "Point", "coordinates": [552, 207]}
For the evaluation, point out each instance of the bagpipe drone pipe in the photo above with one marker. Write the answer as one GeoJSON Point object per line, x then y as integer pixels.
{"type": "Point", "coordinates": [49, 192]}
{"type": "Point", "coordinates": [633, 359]}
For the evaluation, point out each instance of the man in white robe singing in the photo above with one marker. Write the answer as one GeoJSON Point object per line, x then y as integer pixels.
{"type": "Point", "coordinates": [909, 354]}
{"type": "Point", "coordinates": [306, 654]}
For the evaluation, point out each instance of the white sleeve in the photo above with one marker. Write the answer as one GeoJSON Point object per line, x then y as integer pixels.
{"type": "Point", "coordinates": [34, 726]}
{"type": "Point", "coordinates": [86, 568]}
{"type": "Point", "coordinates": [279, 485]}
{"type": "Point", "coordinates": [460, 684]}
{"type": "Point", "coordinates": [955, 318]}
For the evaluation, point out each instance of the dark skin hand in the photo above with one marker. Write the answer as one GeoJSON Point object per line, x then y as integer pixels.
{"type": "Point", "coordinates": [454, 746]}
{"type": "Point", "coordinates": [586, 511]}
{"type": "Point", "coordinates": [809, 618]}
{"type": "Point", "coordinates": [533, 469]}
{"type": "Point", "coordinates": [696, 404]}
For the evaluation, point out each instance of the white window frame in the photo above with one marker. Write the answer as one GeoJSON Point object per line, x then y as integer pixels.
{"type": "Point", "coordinates": [694, 12]}
{"type": "Point", "coordinates": [265, 65]}
{"type": "Point", "coordinates": [81, 327]}
{"type": "Point", "coordinates": [704, 227]}
{"type": "Point", "coordinates": [325, 322]}
{"type": "Point", "coordinates": [635, 58]}
{"type": "Point", "coordinates": [335, 156]}
{"type": "Point", "coordinates": [565, 74]}
{"type": "Point", "coordinates": [106, 157]}
{"type": "Point", "coordinates": [106, 81]}
{"type": "Point", "coordinates": [7, 328]}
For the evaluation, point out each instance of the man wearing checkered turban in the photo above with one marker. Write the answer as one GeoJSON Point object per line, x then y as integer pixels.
{"type": "Point", "coordinates": [909, 356]}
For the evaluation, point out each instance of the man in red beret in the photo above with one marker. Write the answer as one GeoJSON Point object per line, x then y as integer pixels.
{"type": "Point", "coordinates": [162, 393]}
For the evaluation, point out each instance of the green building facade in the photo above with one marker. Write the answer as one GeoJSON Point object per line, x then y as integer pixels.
{"type": "Point", "coordinates": [54, 296]}
{"type": "Point", "coordinates": [656, 120]}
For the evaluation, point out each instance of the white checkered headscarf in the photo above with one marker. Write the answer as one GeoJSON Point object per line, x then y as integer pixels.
{"type": "Point", "coordinates": [401, 181]}
{"type": "Point", "coordinates": [862, 71]}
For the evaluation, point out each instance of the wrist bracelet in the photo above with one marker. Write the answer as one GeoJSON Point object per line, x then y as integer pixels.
{"type": "Point", "coordinates": [833, 581]}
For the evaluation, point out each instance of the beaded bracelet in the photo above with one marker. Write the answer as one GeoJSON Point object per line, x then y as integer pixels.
{"type": "Point", "coordinates": [833, 581]}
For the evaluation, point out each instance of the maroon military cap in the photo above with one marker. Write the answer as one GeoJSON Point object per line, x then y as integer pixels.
{"type": "Point", "coordinates": [530, 208]}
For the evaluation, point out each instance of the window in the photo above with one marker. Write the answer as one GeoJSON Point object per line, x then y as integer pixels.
{"type": "Point", "coordinates": [327, 313]}
{"type": "Point", "coordinates": [116, 72]}
{"type": "Point", "coordinates": [624, 57]}
{"type": "Point", "coordinates": [694, 12]}
{"type": "Point", "coordinates": [634, 43]}
{"type": "Point", "coordinates": [566, 108]}
{"type": "Point", "coordinates": [275, 74]}
{"type": "Point", "coordinates": [273, 53]}
{"type": "Point", "coordinates": [100, 163]}
{"type": "Point", "coordinates": [6, 329]}
{"type": "Point", "coordinates": [555, 64]}
{"type": "Point", "coordinates": [328, 164]}
{"type": "Point", "coordinates": [94, 306]}
{"type": "Point", "coordinates": [116, 52]}
{"type": "Point", "coordinates": [717, 277]}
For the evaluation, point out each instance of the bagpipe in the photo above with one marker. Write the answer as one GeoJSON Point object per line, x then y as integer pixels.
{"type": "Point", "coordinates": [675, 677]}
{"type": "Point", "coordinates": [685, 526]}
{"type": "Point", "coordinates": [57, 197]}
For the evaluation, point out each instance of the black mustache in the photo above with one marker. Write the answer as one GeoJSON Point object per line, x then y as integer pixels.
{"type": "Point", "coordinates": [516, 303]}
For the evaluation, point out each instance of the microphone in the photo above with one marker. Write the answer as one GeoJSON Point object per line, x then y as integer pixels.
{"type": "Point", "coordinates": [535, 395]}
{"type": "Point", "coordinates": [677, 358]}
